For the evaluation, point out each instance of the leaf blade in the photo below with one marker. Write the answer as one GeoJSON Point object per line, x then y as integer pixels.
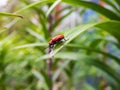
{"type": "Point", "coordinates": [106, 12]}
{"type": "Point", "coordinates": [10, 15]}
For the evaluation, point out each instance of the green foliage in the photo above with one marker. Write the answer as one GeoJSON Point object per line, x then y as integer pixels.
{"type": "Point", "coordinates": [106, 12]}
{"type": "Point", "coordinates": [24, 46]}
{"type": "Point", "coordinates": [114, 30]}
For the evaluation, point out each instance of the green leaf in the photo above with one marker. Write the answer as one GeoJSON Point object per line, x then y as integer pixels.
{"type": "Point", "coordinates": [105, 68]}
{"type": "Point", "coordinates": [3, 29]}
{"type": "Point", "coordinates": [63, 9]}
{"type": "Point", "coordinates": [57, 73]}
{"type": "Point", "coordinates": [109, 26]}
{"type": "Point", "coordinates": [30, 45]}
{"type": "Point", "coordinates": [41, 2]}
{"type": "Point", "coordinates": [37, 75]}
{"type": "Point", "coordinates": [72, 34]}
{"type": "Point", "coordinates": [68, 72]}
{"type": "Point", "coordinates": [90, 49]}
{"type": "Point", "coordinates": [10, 14]}
{"type": "Point", "coordinates": [96, 42]}
{"type": "Point", "coordinates": [63, 55]}
{"type": "Point", "coordinates": [118, 2]}
{"type": "Point", "coordinates": [44, 26]}
{"type": "Point", "coordinates": [46, 78]}
{"type": "Point", "coordinates": [33, 5]}
{"type": "Point", "coordinates": [112, 27]}
{"type": "Point", "coordinates": [52, 7]}
{"type": "Point", "coordinates": [41, 12]}
{"type": "Point", "coordinates": [108, 13]}
{"type": "Point", "coordinates": [59, 20]}
{"type": "Point", "coordinates": [35, 34]}
{"type": "Point", "coordinates": [112, 5]}
{"type": "Point", "coordinates": [42, 18]}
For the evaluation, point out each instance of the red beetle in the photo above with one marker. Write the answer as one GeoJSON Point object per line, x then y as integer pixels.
{"type": "Point", "coordinates": [55, 40]}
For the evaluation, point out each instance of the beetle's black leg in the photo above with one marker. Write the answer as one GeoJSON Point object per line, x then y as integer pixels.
{"type": "Point", "coordinates": [65, 39]}
{"type": "Point", "coordinates": [50, 48]}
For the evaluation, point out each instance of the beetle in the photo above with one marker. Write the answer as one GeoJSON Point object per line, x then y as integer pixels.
{"type": "Point", "coordinates": [56, 40]}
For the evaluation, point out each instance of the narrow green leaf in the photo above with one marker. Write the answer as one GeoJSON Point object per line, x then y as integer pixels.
{"type": "Point", "coordinates": [30, 45]}
{"type": "Point", "coordinates": [59, 20]}
{"type": "Point", "coordinates": [95, 50]}
{"type": "Point", "coordinates": [108, 13]}
{"type": "Point", "coordinates": [68, 72]}
{"type": "Point", "coordinates": [35, 34]}
{"type": "Point", "coordinates": [52, 7]}
{"type": "Point", "coordinates": [95, 42]}
{"type": "Point", "coordinates": [27, 7]}
{"type": "Point", "coordinates": [46, 78]}
{"type": "Point", "coordinates": [63, 55]}
{"type": "Point", "coordinates": [33, 5]}
{"type": "Point", "coordinates": [118, 2]}
{"type": "Point", "coordinates": [112, 5]}
{"type": "Point", "coordinates": [63, 9]}
{"type": "Point", "coordinates": [105, 68]}
{"type": "Point", "coordinates": [57, 73]}
{"type": "Point", "coordinates": [3, 29]}
{"type": "Point", "coordinates": [39, 10]}
{"type": "Point", "coordinates": [10, 14]}
{"type": "Point", "coordinates": [37, 74]}
{"type": "Point", "coordinates": [112, 27]}
{"type": "Point", "coordinates": [42, 18]}
{"type": "Point", "coordinates": [73, 34]}
{"type": "Point", "coordinates": [109, 26]}
{"type": "Point", "coordinates": [44, 26]}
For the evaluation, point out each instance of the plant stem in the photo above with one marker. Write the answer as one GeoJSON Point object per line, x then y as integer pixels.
{"type": "Point", "coordinates": [50, 59]}
{"type": "Point", "coordinates": [49, 69]}
{"type": "Point", "coordinates": [50, 18]}
{"type": "Point", "coordinates": [49, 64]}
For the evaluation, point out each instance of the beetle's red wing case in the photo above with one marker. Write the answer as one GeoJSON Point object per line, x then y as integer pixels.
{"type": "Point", "coordinates": [56, 38]}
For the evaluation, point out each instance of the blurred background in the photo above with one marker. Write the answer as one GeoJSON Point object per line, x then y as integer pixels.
{"type": "Point", "coordinates": [88, 60]}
